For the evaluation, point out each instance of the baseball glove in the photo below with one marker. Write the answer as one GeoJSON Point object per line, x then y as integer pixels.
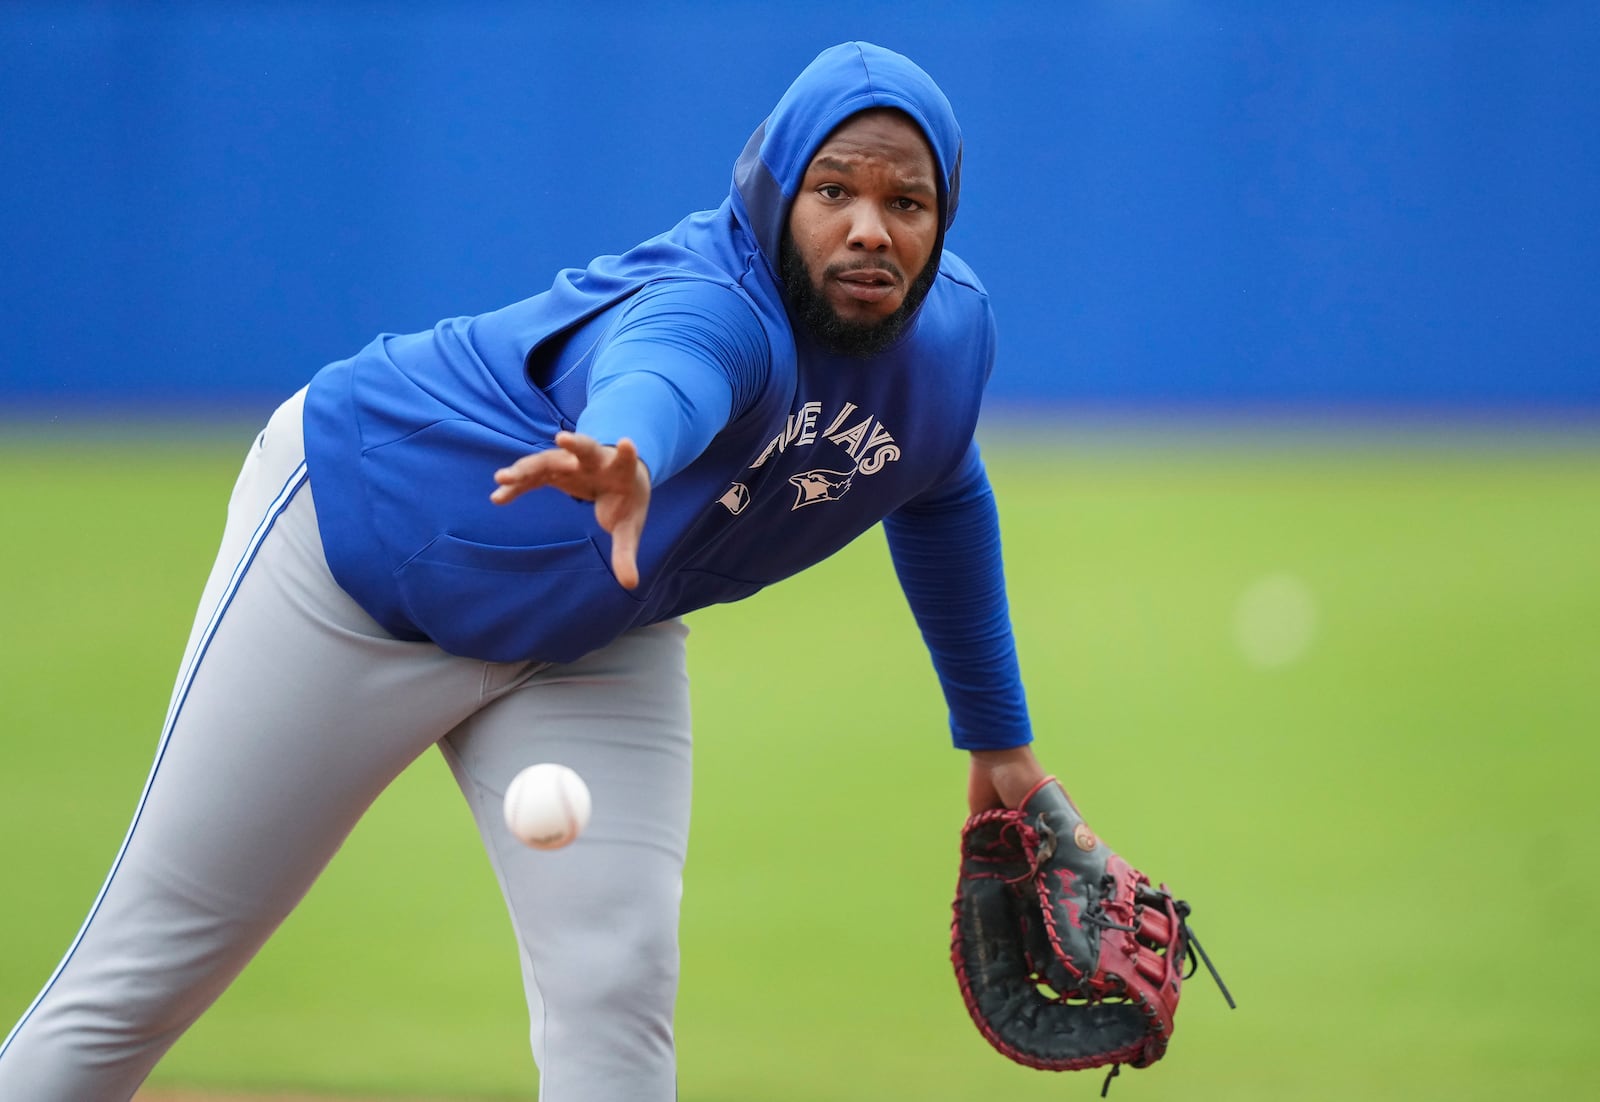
{"type": "Point", "coordinates": [1066, 956]}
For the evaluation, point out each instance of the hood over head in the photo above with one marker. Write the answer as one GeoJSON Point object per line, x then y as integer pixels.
{"type": "Point", "coordinates": [719, 245]}
{"type": "Point", "coordinates": [844, 80]}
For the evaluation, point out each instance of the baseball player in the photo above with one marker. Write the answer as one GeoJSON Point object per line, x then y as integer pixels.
{"type": "Point", "coordinates": [483, 537]}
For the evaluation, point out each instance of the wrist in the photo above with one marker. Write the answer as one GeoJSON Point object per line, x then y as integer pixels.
{"type": "Point", "coordinates": [1002, 778]}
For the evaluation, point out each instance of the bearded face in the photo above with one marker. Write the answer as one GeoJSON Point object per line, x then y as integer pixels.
{"type": "Point", "coordinates": [857, 252]}
{"type": "Point", "coordinates": [839, 335]}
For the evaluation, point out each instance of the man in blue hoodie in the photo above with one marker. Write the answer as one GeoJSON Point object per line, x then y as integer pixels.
{"type": "Point", "coordinates": [484, 536]}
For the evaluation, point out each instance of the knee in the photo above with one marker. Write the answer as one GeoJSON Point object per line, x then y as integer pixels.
{"type": "Point", "coordinates": [139, 983]}
{"type": "Point", "coordinates": [626, 967]}
{"type": "Point", "coordinates": [107, 1010]}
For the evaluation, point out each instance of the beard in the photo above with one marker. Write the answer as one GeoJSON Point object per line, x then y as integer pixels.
{"type": "Point", "coordinates": [822, 321]}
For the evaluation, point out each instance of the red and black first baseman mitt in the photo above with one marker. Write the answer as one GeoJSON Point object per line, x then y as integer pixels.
{"type": "Point", "coordinates": [1067, 957]}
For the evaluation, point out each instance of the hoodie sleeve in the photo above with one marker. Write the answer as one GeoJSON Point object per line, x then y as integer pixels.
{"type": "Point", "coordinates": [682, 360]}
{"type": "Point", "coordinates": [946, 551]}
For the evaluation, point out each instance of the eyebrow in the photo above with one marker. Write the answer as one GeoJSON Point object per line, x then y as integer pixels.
{"type": "Point", "coordinates": [913, 185]}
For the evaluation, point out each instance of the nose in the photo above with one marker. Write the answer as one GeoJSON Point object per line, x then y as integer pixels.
{"type": "Point", "coordinates": [869, 231]}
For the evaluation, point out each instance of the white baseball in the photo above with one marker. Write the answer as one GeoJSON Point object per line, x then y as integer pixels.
{"type": "Point", "coordinates": [547, 806]}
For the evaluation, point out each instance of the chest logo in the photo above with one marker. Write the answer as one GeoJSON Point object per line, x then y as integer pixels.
{"type": "Point", "coordinates": [863, 438]}
{"type": "Point", "coordinates": [819, 485]}
{"type": "Point", "coordinates": [735, 500]}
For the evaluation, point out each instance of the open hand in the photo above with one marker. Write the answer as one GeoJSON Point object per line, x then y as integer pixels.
{"type": "Point", "coordinates": [582, 467]}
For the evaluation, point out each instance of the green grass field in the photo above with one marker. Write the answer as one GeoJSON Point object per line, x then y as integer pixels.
{"type": "Point", "coordinates": [1378, 817]}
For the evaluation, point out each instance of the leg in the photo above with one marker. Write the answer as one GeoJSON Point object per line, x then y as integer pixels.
{"type": "Point", "coordinates": [596, 923]}
{"type": "Point", "coordinates": [292, 711]}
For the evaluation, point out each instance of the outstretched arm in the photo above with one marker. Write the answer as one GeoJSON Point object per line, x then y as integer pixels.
{"type": "Point", "coordinates": [681, 359]}
{"type": "Point", "coordinates": [946, 549]}
{"type": "Point", "coordinates": [613, 478]}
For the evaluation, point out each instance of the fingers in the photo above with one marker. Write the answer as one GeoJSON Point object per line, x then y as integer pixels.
{"type": "Point", "coordinates": [625, 554]}
{"type": "Point", "coordinates": [565, 467]}
{"type": "Point", "coordinates": [622, 510]}
{"type": "Point", "coordinates": [589, 452]}
{"type": "Point", "coordinates": [613, 477]}
{"type": "Point", "coordinates": [513, 484]}
{"type": "Point", "coordinates": [578, 465]}
{"type": "Point", "coordinates": [528, 473]}
{"type": "Point", "coordinates": [605, 467]}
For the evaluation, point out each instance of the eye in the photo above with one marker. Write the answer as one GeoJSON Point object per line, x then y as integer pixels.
{"type": "Point", "coordinates": [905, 204]}
{"type": "Point", "coordinates": [831, 191]}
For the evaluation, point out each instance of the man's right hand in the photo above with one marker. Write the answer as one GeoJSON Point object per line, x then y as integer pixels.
{"type": "Point", "coordinates": [582, 467]}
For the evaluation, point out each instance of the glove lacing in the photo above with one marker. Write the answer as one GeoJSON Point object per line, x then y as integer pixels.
{"type": "Point", "coordinates": [1187, 933]}
{"type": "Point", "coordinates": [1095, 914]}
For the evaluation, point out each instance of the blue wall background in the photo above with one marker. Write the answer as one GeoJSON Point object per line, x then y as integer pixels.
{"type": "Point", "coordinates": [1349, 204]}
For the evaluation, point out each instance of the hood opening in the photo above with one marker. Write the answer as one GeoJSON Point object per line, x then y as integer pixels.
{"type": "Point", "coordinates": [841, 82]}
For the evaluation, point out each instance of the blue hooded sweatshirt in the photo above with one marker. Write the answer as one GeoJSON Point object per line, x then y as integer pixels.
{"type": "Point", "coordinates": [767, 453]}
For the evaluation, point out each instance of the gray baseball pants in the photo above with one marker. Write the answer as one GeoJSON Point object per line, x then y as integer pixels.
{"type": "Point", "coordinates": [292, 711]}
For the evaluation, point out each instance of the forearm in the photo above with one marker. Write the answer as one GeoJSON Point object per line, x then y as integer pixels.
{"type": "Point", "coordinates": [683, 359]}
{"type": "Point", "coordinates": [670, 424]}
{"type": "Point", "coordinates": [947, 555]}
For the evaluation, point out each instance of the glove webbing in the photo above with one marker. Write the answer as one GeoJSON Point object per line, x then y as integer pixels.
{"type": "Point", "coordinates": [1186, 933]}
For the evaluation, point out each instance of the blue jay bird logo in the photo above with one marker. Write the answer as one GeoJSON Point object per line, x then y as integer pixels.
{"type": "Point", "coordinates": [820, 485]}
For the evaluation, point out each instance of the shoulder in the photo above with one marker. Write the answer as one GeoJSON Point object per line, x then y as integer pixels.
{"type": "Point", "coordinates": [697, 311]}
{"type": "Point", "coordinates": [693, 321]}
{"type": "Point", "coordinates": [689, 297]}
{"type": "Point", "coordinates": [959, 297]}
{"type": "Point", "coordinates": [957, 309]}
{"type": "Point", "coordinates": [959, 273]}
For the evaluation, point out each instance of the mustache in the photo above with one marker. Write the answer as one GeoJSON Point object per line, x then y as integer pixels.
{"type": "Point", "coordinates": [876, 264]}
